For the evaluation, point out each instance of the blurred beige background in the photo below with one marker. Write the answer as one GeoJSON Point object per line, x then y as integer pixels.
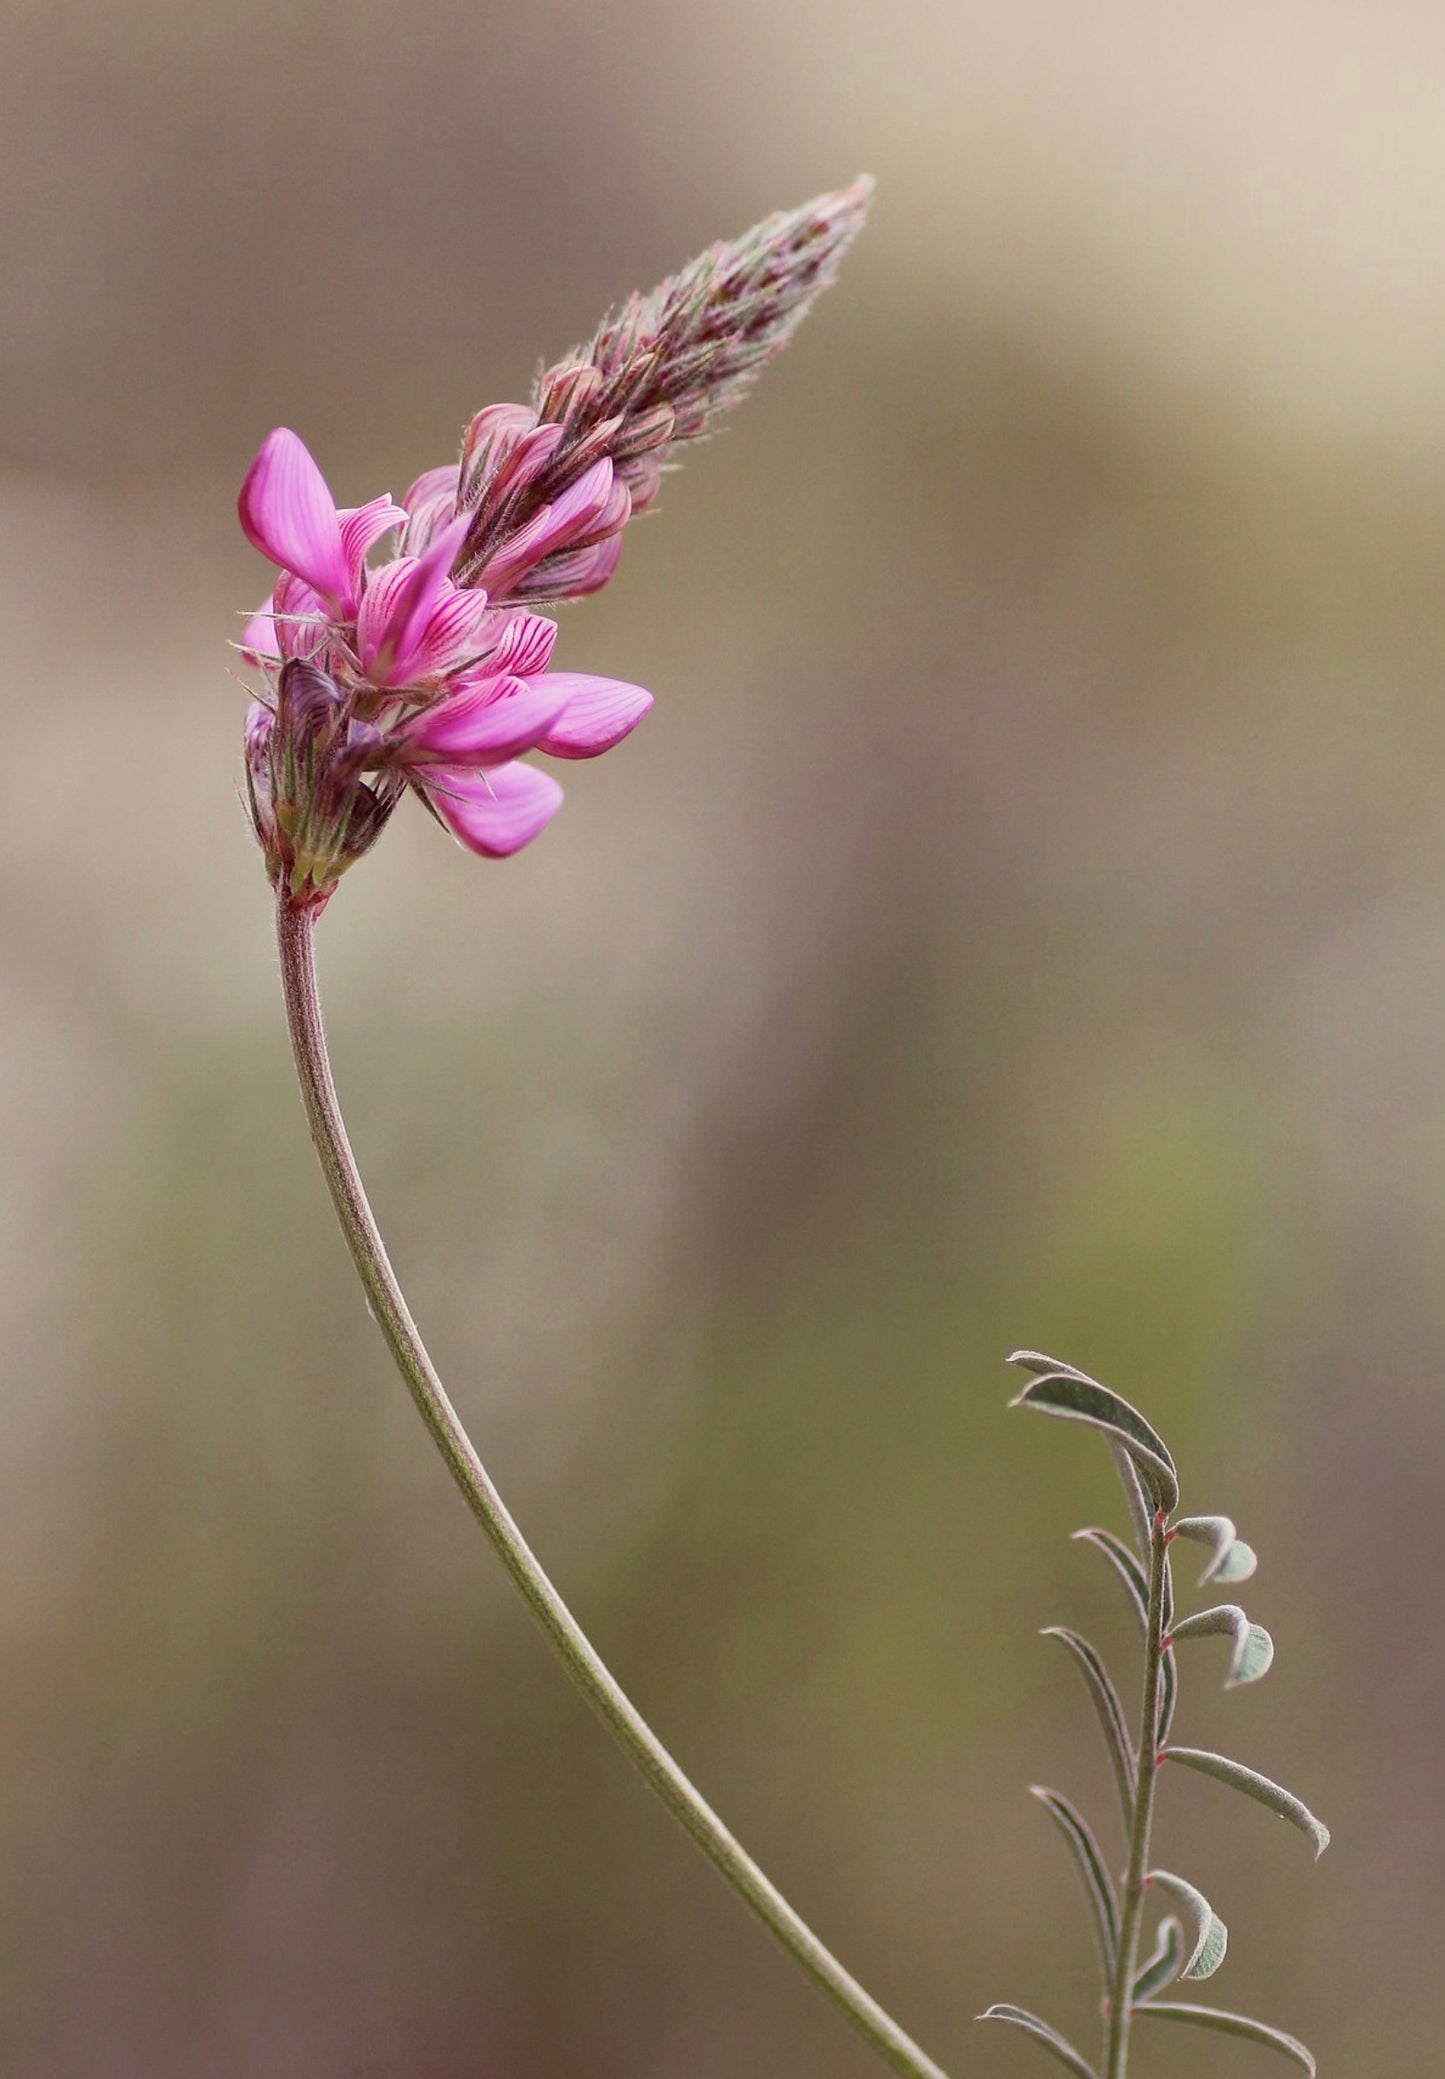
{"type": "Point", "coordinates": [1021, 920]}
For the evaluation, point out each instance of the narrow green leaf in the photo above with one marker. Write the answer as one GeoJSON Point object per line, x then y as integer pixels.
{"type": "Point", "coordinates": [1163, 1963]}
{"type": "Point", "coordinates": [1230, 1559]}
{"type": "Point", "coordinates": [1168, 1698]}
{"type": "Point", "coordinates": [1233, 2025]}
{"type": "Point", "coordinates": [1125, 1565]}
{"type": "Point", "coordinates": [1211, 1936]}
{"type": "Point", "coordinates": [1041, 2033]}
{"type": "Point", "coordinates": [1140, 1515]}
{"type": "Point", "coordinates": [1238, 1777]}
{"type": "Point", "coordinates": [1253, 1650]}
{"type": "Point", "coordinates": [1075, 1397]}
{"type": "Point", "coordinates": [1098, 1884]}
{"type": "Point", "coordinates": [1108, 1710]}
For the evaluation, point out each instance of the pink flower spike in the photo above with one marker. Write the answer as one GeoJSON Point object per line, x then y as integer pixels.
{"type": "Point", "coordinates": [494, 813]}
{"type": "Point", "coordinates": [287, 512]}
{"type": "Point", "coordinates": [598, 714]}
{"type": "Point", "coordinates": [488, 723]}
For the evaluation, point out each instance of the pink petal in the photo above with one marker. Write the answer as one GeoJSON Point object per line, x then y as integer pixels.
{"type": "Point", "coordinates": [392, 627]}
{"type": "Point", "coordinates": [488, 723]}
{"type": "Point", "coordinates": [572, 574]}
{"type": "Point", "coordinates": [517, 553]}
{"type": "Point", "coordinates": [493, 433]}
{"type": "Point", "coordinates": [571, 519]}
{"type": "Point", "coordinates": [526, 645]}
{"type": "Point", "coordinates": [494, 813]}
{"type": "Point", "coordinates": [362, 526]}
{"type": "Point", "coordinates": [598, 714]}
{"type": "Point", "coordinates": [258, 639]}
{"type": "Point", "coordinates": [432, 483]}
{"type": "Point", "coordinates": [584, 502]}
{"type": "Point", "coordinates": [430, 502]}
{"type": "Point", "coordinates": [456, 630]}
{"type": "Point", "coordinates": [300, 618]}
{"type": "Point", "coordinates": [524, 463]}
{"type": "Point", "coordinates": [288, 514]}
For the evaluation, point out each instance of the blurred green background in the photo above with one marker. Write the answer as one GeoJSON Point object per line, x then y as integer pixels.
{"type": "Point", "coordinates": [1021, 920]}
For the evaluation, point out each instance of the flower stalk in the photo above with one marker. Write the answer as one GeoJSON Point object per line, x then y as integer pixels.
{"type": "Point", "coordinates": [295, 923]}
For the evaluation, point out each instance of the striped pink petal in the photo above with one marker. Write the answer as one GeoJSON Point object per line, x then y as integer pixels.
{"type": "Point", "coordinates": [494, 813]}
{"type": "Point", "coordinates": [362, 527]}
{"type": "Point", "coordinates": [413, 620]}
{"type": "Point", "coordinates": [598, 714]}
{"type": "Point", "coordinates": [570, 574]}
{"type": "Point", "coordinates": [487, 723]}
{"type": "Point", "coordinates": [430, 503]}
{"type": "Point", "coordinates": [526, 645]}
{"type": "Point", "coordinates": [287, 513]}
{"type": "Point", "coordinates": [299, 617]}
{"type": "Point", "coordinates": [594, 499]}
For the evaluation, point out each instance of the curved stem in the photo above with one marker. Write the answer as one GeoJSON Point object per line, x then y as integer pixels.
{"type": "Point", "coordinates": [1116, 2053]}
{"type": "Point", "coordinates": [628, 1728]}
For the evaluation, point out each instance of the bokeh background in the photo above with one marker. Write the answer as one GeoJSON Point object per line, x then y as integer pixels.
{"type": "Point", "coordinates": [1021, 921]}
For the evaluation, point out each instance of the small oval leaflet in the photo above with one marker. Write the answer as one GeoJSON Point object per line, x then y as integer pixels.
{"type": "Point", "coordinates": [1230, 1559]}
{"type": "Point", "coordinates": [1211, 1936]}
{"type": "Point", "coordinates": [1280, 1801]}
{"type": "Point", "coordinates": [1237, 1564]}
{"type": "Point", "coordinates": [1075, 1397]}
{"type": "Point", "coordinates": [1043, 2034]}
{"type": "Point", "coordinates": [1252, 1653]}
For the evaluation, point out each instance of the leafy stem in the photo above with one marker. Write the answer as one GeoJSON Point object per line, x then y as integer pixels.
{"type": "Point", "coordinates": [626, 1724]}
{"type": "Point", "coordinates": [1151, 1490]}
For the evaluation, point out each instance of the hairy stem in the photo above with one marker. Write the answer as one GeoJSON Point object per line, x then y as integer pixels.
{"type": "Point", "coordinates": [1116, 2049]}
{"type": "Point", "coordinates": [628, 1728]}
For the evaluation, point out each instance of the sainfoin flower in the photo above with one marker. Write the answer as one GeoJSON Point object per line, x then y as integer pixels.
{"type": "Point", "coordinates": [401, 647]}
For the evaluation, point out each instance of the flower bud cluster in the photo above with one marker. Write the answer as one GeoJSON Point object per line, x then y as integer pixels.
{"type": "Point", "coordinates": [550, 487]}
